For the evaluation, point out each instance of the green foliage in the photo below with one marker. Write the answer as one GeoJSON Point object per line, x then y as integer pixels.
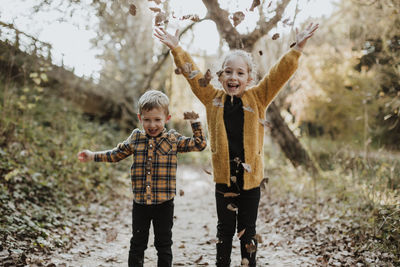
{"type": "Point", "coordinates": [42, 184]}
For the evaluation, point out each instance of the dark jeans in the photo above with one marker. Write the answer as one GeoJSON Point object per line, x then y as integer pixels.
{"type": "Point", "coordinates": [246, 216]}
{"type": "Point", "coordinates": [162, 217]}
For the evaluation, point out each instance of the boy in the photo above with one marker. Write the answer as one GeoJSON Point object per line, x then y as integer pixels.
{"type": "Point", "coordinates": [153, 174]}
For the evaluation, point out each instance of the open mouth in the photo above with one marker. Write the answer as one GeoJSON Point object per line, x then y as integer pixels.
{"type": "Point", "coordinates": [233, 86]}
{"type": "Point", "coordinates": [152, 132]}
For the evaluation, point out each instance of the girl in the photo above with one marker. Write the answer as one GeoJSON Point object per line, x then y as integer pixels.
{"type": "Point", "coordinates": [235, 118]}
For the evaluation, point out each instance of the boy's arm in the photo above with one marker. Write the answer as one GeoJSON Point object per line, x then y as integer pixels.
{"type": "Point", "coordinates": [202, 89]}
{"type": "Point", "coordinates": [198, 141]}
{"type": "Point", "coordinates": [116, 154]}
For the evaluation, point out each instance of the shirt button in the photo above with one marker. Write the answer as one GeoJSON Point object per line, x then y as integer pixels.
{"type": "Point", "coordinates": [149, 159]}
{"type": "Point", "coordinates": [148, 172]}
{"type": "Point", "coordinates": [151, 145]}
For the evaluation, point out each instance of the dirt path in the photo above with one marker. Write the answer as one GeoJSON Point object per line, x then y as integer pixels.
{"type": "Point", "coordinates": [193, 233]}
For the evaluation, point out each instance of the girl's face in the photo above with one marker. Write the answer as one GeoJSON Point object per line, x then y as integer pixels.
{"type": "Point", "coordinates": [235, 76]}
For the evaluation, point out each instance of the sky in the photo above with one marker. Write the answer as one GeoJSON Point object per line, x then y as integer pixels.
{"type": "Point", "coordinates": [70, 39]}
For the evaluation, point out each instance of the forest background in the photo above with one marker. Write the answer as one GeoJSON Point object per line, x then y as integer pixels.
{"type": "Point", "coordinates": [341, 109]}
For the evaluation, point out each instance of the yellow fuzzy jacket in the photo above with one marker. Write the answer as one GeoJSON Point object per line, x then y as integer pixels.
{"type": "Point", "coordinates": [255, 101]}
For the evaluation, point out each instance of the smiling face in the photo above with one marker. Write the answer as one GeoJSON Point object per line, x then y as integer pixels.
{"type": "Point", "coordinates": [235, 75]}
{"type": "Point", "coordinates": [153, 121]}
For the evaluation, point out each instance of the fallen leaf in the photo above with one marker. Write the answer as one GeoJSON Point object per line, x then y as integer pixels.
{"type": "Point", "coordinates": [111, 235]}
{"type": "Point", "coordinates": [239, 235]}
{"type": "Point", "coordinates": [258, 238]}
{"type": "Point", "coordinates": [181, 192]}
{"type": "Point", "coordinates": [193, 74]}
{"type": "Point", "coordinates": [275, 36]}
{"type": "Point", "coordinates": [155, 9]}
{"type": "Point", "coordinates": [203, 82]}
{"type": "Point", "coordinates": [238, 17]}
{"type": "Point", "coordinates": [161, 17]}
{"type": "Point", "coordinates": [132, 10]}
{"type": "Point", "coordinates": [254, 4]}
{"type": "Point", "coordinates": [231, 194]}
{"type": "Point", "coordinates": [190, 115]}
{"type": "Point", "coordinates": [232, 207]}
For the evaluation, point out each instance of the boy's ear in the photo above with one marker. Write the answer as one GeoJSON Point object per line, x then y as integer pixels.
{"type": "Point", "coordinates": [139, 117]}
{"type": "Point", "coordinates": [168, 118]}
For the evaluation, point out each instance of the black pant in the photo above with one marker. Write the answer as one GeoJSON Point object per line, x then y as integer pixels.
{"type": "Point", "coordinates": [246, 216]}
{"type": "Point", "coordinates": [162, 217]}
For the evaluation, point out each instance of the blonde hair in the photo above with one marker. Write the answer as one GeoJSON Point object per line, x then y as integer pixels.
{"type": "Point", "coordinates": [246, 56]}
{"type": "Point", "coordinates": [153, 99]}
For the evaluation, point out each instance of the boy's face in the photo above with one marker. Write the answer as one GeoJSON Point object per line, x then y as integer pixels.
{"type": "Point", "coordinates": [235, 76]}
{"type": "Point", "coordinates": [153, 121]}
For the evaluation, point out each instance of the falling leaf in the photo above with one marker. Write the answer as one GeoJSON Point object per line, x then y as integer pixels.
{"type": "Point", "coordinates": [161, 17]}
{"type": "Point", "coordinates": [193, 17]}
{"type": "Point", "coordinates": [132, 10]}
{"type": "Point", "coordinates": [203, 82]}
{"type": "Point", "coordinates": [181, 192]}
{"type": "Point", "coordinates": [178, 71]}
{"type": "Point", "coordinates": [260, 53]}
{"type": "Point", "coordinates": [292, 44]}
{"type": "Point", "coordinates": [265, 123]}
{"type": "Point", "coordinates": [190, 115]}
{"type": "Point", "coordinates": [182, 246]}
{"type": "Point", "coordinates": [269, 5]}
{"type": "Point", "coordinates": [233, 179]}
{"type": "Point", "coordinates": [258, 238]}
{"type": "Point", "coordinates": [193, 74]}
{"type": "Point", "coordinates": [156, 1]}
{"type": "Point", "coordinates": [198, 260]}
{"type": "Point", "coordinates": [248, 108]}
{"type": "Point", "coordinates": [251, 248]}
{"type": "Point", "coordinates": [275, 36]}
{"type": "Point", "coordinates": [239, 235]}
{"type": "Point", "coordinates": [254, 4]}
{"type": "Point", "coordinates": [231, 194]}
{"type": "Point", "coordinates": [218, 102]}
{"type": "Point", "coordinates": [206, 171]}
{"type": "Point", "coordinates": [155, 9]}
{"type": "Point", "coordinates": [238, 17]}
{"type": "Point", "coordinates": [247, 167]}
{"type": "Point", "coordinates": [111, 235]}
{"type": "Point", "coordinates": [219, 73]}
{"type": "Point", "coordinates": [232, 207]}
{"type": "Point", "coordinates": [264, 183]}
{"type": "Point", "coordinates": [187, 67]}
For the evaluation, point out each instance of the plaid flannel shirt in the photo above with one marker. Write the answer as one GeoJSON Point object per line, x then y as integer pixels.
{"type": "Point", "coordinates": [153, 172]}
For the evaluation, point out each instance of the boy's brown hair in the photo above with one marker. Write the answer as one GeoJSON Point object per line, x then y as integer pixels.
{"type": "Point", "coordinates": [153, 99]}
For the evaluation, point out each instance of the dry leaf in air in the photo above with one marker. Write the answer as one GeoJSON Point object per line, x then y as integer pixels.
{"type": "Point", "coordinates": [132, 10]}
{"type": "Point", "coordinates": [264, 183]}
{"type": "Point", "coordinates": [181, 192]}
{"type": "Point", "coordinates": [292, 44]}
{"type": "Point", "coordinates": [190, 115]}
{"type": "Point", "coordinates": [156, 1]}
{"type": "Point", "coordinates": [219, 73]}
{"type": "Point", "coordinates": [193, 17]}
{"type": "Point", "coordinates": [155, 9]}
{"type": "Point", "coordinates": [161, 17]}
{"type": "Point", "coordinates": [238, 17]}
{"type": "Point", "coordinates": [254, 4]}
{"type": "Point", "coordinates": [260, 53]}
{"type": "Point", "coordinates": [275, 36]}
{"type": "Point", "coordinates": [231, 194]}
{"type": "Point", "coordinates": [206, 171]}
{"type": "Point", "coordinates": [232, 207]}
{"type": "Point", "coordinates": [203, 82]}
{"type": "Point", "coordinates": [239, 235]}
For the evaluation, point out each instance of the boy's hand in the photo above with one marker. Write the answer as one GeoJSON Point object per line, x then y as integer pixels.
{"type": "Point", "coordinates": [192, 116]}
{"type": "Point", "coordinates": [85, 156]}
{"type": "Point", "coordinates": [169, 40]}
{"type": "Point", "coordinates": [302, 37]}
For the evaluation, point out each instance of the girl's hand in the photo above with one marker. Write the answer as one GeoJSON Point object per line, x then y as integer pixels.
{"type": "Point", "coordinates": [302, 37]}
{"type": "Point", "coordinates": [85, 156]}
{"type": "Point", "coordinates": [169, 40]}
